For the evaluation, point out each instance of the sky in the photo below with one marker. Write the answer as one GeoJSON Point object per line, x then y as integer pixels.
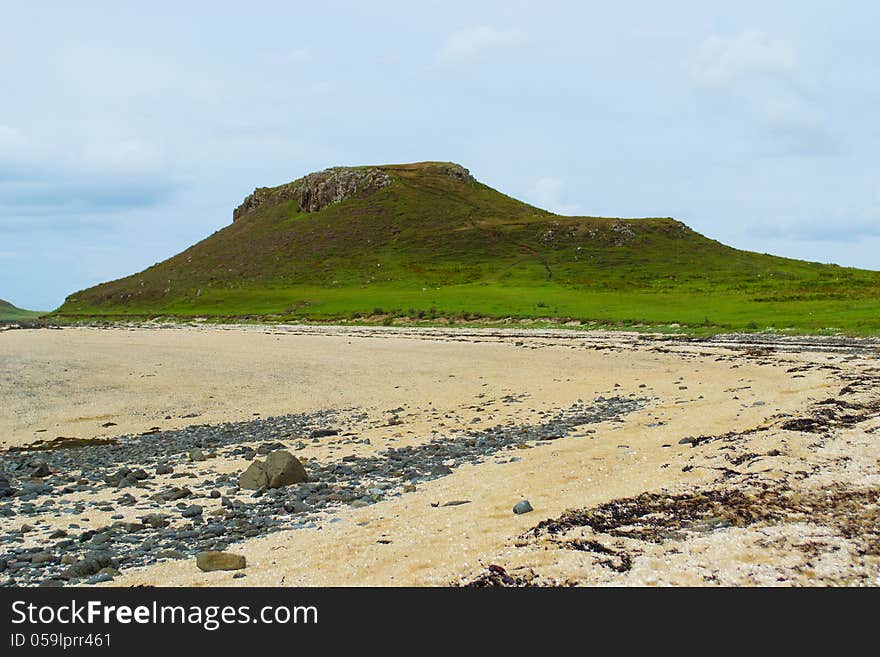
{"type": "Point", "coordinates": [129, 131]}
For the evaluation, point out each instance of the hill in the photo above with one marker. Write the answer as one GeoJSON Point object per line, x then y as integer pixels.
{"type": "Point", "coordinates": [8, 312]}
{"type": "Point", "coordinates": [428, 241]}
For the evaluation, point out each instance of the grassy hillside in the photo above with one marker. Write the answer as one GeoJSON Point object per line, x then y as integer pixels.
{"type": "Point", "coordinates": [8, 312]}
{"type": "Point", "coordinates": [433, 244]}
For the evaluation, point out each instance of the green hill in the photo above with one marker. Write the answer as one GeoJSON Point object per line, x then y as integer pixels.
{"type": "Point", "coordinates": [427, 241]}
{"type": "Point", "coordinates": [8, 312]}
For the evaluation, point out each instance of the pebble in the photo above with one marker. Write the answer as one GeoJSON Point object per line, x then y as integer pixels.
{"type": "Point", "coordinates": [523, 506]}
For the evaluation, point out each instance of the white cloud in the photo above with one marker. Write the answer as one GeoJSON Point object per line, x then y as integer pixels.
{"type": "Point", "coordinates": [549, 193]}
{"type": "Point", "coordinates": [724, 60]}
{"type": "Point", "coordinates": [468, 43]}
{"type": "Point", "coordinates": [760, 77]}
{"type": "Point", "coordinates": [40, 175]}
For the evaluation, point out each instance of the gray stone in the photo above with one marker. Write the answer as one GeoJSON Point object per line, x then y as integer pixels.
{"type": "Point", "coordinates": [523, 506]}
{"type": "Point", "coordinates": [196, 454]}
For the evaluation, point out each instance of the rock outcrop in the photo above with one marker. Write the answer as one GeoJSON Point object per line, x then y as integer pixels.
{"type": "Point", "coordinates": [316, 191]}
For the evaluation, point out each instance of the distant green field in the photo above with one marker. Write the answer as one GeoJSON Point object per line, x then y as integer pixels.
{"type": "Point", "coordinates": [8, 312]}
{"type": "Point", "coordinates": [478, 303]}
{"type": "Point", "coordinates": [431, 246]}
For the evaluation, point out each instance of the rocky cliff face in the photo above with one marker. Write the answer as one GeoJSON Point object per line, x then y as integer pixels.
{"type": "Point", "coordinates": [318, 190]}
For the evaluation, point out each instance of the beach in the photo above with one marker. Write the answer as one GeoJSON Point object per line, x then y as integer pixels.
{"type": "Point", "coordinates": [738, 461]}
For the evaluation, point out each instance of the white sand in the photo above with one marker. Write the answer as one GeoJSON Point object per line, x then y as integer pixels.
{"type": "Point", "coordinates": [70, 382]}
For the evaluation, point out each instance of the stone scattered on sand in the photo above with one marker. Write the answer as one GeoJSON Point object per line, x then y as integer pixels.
{"type": "Point", "coordinates": [523, 506]}
{"type": "Point", "coordinates": [91, 565]}
{"type": "Point", "coordinates": [210, 560]}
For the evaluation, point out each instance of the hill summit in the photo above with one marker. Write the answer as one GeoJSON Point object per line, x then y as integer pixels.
{"type": "Point", "coordinates": [429, 241]}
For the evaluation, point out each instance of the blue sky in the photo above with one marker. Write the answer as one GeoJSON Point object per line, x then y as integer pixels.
{"type": "Point", "coordinates": [128, 131]}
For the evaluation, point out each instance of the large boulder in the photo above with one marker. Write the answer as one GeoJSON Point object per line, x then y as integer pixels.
{"type": "Point", "coordinates": [284, 469]}
{"type": "Point", "coordinates": [254, 477]}
{"type": "Point", "coordinates": [280, 469]}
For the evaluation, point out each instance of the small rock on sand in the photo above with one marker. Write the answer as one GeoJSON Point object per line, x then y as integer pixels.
{"type": "Point", "coordinates": [523, 506]}
{"type": "Point", "coordinates": [212, 560]}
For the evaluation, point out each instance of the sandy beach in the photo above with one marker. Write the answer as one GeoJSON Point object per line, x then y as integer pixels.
{"type": "Point", "coordinates": [697, 462]}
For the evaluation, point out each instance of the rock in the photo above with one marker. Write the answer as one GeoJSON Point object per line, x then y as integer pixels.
{"type": "Point", "coordinates": [6, 489]}
{"type": "Point", "coordinates": [196, 454]}
{"type": "Point", "coordinates": [296, 506]}
{"type": "Point", "coordinates": [2, 565]}
{"type": "Point", "coordinates": [318, 190]}
{"type": "Point", "coordinates": [210, 560]}
{"type": "Point", "coordinates": [155, 520]}
{"type": "Point", "coordinates": [284, 469]}
{"type": "Point", "coordinates": [268, 448]}
{"type": "Point", "coordinates": [321, 433]}
{"type": "Point", "coordinates": [51, 583]}
{"type": "Point", "coordinates": [163, 469]}
{"type": "Point", "coordinates": [68, 559]}
{"type": "Point", "coordinates": [170, 554]}
{"type": "Point", "coordinates": [127, 499]}
{"type": "Point", "coordinates": [40, 470]}
{"type": "Point", "coordinates": [523, 506]}
{"type": "Point", "coordinates": [91, 565]}
{"type": "Point", "coordinates": [117, 477]}
{"type": "Point", "coordinates": [280, 469]}
{"type": "Point", "coordinates": [172, 494]}
{"type": "Point", "coordinates": [192, 511]}
{"type": "Point", "coordinates": [255, 477]}
{"type": "Point", "coordinates": [41, 557]}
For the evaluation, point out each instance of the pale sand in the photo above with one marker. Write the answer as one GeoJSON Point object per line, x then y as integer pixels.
{"type": "Point", "coordinates": [71, 381]}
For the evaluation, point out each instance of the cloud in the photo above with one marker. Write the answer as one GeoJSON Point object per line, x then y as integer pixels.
{"type": "Point", "coordinates": [725, 60]}
{"type": "Point", "coordinates": [54, 197]}
{"type": "Point", "coordinates": [845, 224]}
{"type": "Point", "coordinates": [469, 43]}
{"type": "Point", "coordinates": [38, 177]}
{"type": "Point", "coordinates": [761, 77]}
{"type": "Point", "coordinates": [549, 193]}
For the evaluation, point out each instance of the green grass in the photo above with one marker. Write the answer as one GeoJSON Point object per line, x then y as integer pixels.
{"type": "Point", "coordinates": [8, 312]}
{"type": "Point", "coordinates": [431, 247]}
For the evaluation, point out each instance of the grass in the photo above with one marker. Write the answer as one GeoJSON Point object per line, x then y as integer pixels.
{"type": "Point", "coordinates": [434, 247]}
{"type": "Point", "coordinates": [8, 312]}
